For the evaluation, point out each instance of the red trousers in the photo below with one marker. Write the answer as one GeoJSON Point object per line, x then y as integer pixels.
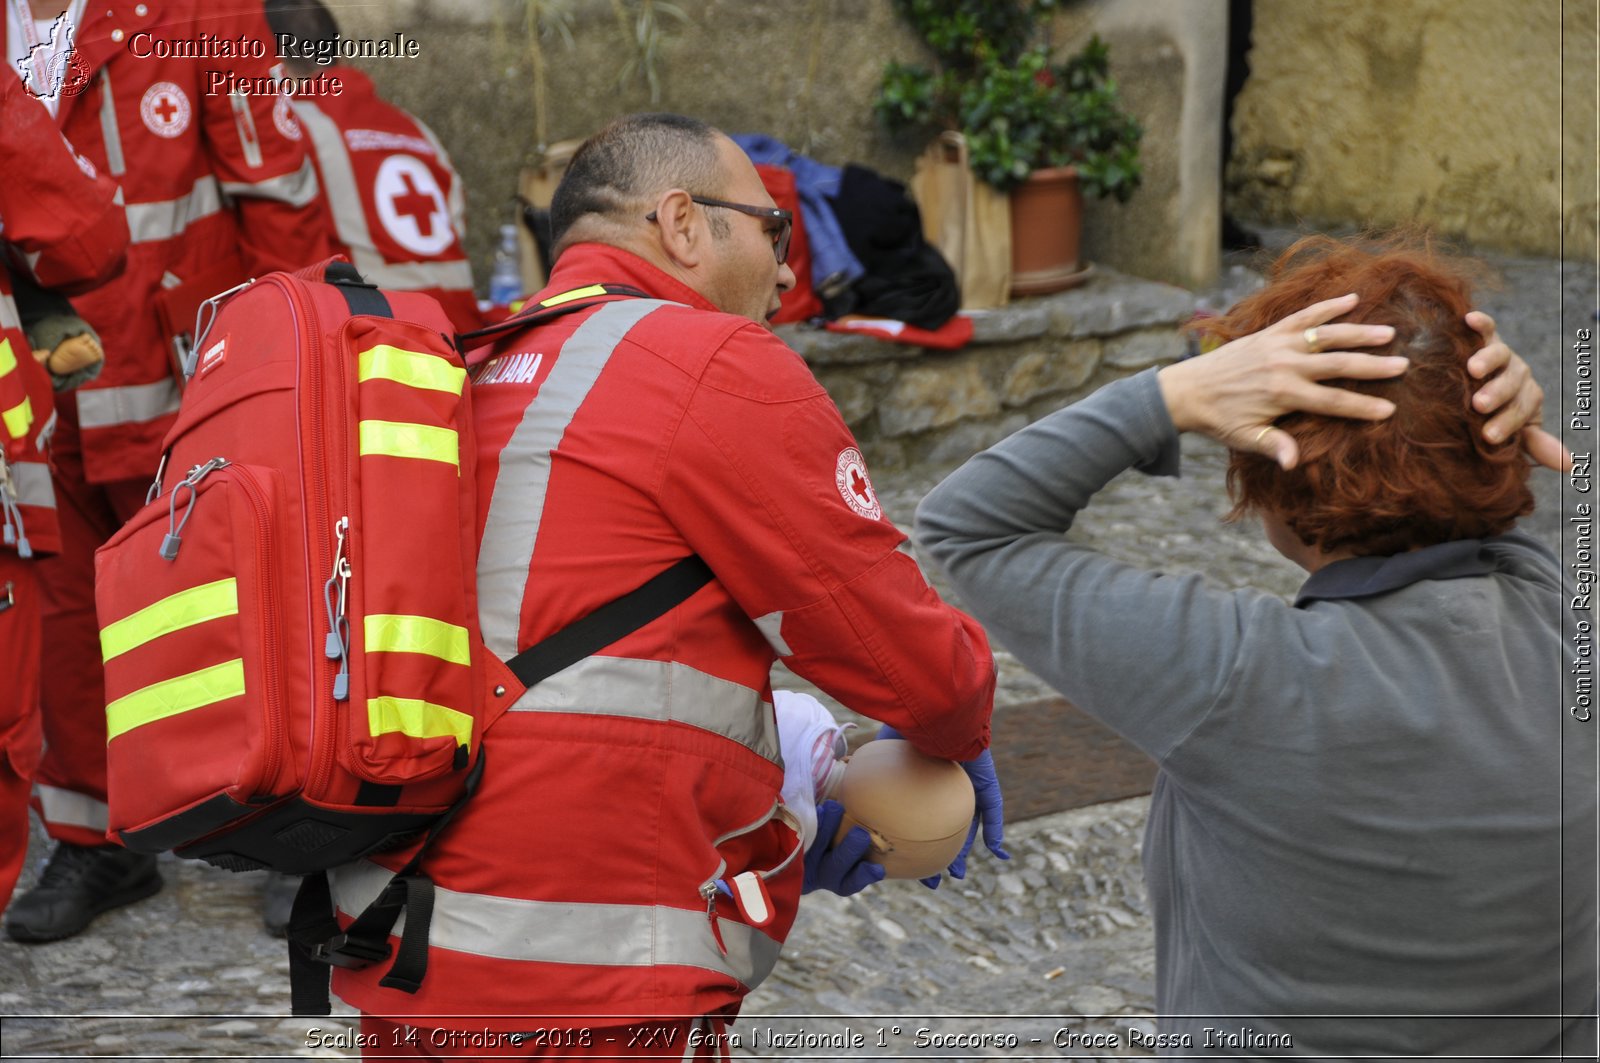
{"type": "Point", "coordinates": [71, 793]}
{"type": "Point", "coordinates": [701, 1038]}
{"type": "Point", "coordinates": [19, 711]}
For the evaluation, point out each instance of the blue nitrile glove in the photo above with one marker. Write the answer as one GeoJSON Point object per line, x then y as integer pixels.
{"type": "Point", "coordinates": [990, 810]}
{"type": "Point", "coordinates": [842, 868]}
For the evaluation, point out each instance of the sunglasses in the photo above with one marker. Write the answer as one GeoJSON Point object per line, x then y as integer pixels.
{"type": "Point", "coordinates": [780, 238]}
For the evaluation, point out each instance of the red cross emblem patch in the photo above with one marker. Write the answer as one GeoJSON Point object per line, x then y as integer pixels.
{"type": "Point", "coordinates": [165, 109]}
{"type": "Point", "coordinates": [850, 474]}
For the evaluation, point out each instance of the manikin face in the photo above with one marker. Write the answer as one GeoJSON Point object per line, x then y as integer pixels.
{"type": "Point", "coordinates": [742, 276]}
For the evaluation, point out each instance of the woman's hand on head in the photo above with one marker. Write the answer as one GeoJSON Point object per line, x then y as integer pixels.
{"type": "Point", "coordinates": [1512, 397]}
{"type": "Point", "coordinates": [1234, 393]}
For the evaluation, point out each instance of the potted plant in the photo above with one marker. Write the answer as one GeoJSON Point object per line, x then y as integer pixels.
{"type": "Point", "coordinates": [1045, 131]}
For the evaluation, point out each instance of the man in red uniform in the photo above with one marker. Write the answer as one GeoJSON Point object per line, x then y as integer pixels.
{"type": "Point", "coordinates": [397, 203]}
{"type": "Point", "coordinates": [56, 213]}
{"type": "Point", "coordinates": [581, 882]}
{"type": "Point", "coordinates": [217, 190]}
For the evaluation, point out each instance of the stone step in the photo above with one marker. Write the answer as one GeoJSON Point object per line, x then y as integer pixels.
{"type": "Point", "coordinates": [909, 405]}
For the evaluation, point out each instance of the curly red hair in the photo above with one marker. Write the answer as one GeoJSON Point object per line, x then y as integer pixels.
{"type": "Point", "coordinates": [1421, 477]}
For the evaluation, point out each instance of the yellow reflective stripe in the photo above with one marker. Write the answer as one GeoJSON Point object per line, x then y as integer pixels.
{"type": "Point", "coordinates": [400, 440]}
{"type": "Point", "coordinates": [8, 357]}
{"type": "Point", "coordinates": [576, 293]}
{"type": "Point", "coordinates": [419, 719]}
{"type": "Point", "coordinates": [170, 697]}
{"type": "Point", "coordinates": [172, 613]}
{"type": "Point", "coordinates": [397, 633]}
{"type": "Point", "coordinates": [18, 418]}
{"type": "Point", "coordinates": [411, 368]}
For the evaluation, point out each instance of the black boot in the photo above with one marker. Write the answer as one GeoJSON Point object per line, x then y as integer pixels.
{"type": "Point", "coordinates": [78, 884]}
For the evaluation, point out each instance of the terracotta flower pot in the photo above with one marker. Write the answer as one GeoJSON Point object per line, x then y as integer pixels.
{"type": "Point", "coordinates": [1046, 221]}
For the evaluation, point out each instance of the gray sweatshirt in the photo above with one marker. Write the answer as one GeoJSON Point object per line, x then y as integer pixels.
{"type": "Point", "coordinates": [1372, 802]}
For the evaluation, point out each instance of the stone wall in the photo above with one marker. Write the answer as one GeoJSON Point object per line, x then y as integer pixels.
{"type": "Point", "coordinates": [909, 405]}
{"type": "Point", "coordinates": [1465, 115]}
{"type": "Point", "coordinates": [805, 71]}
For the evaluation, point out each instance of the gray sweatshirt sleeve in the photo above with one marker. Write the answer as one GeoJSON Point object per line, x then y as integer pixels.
{"type": "Point", "coordinates": [1146, 653]}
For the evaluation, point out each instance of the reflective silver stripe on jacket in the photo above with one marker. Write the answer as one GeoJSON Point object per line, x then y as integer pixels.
{"type": "Point", "coordinates": [167, 218]}
{"type": "Point", "coordinates": [338, 179]}
{"type": "Point", "coordinates": [771, 627]}
{"type": "Point", "coordinates": [598, 935]}
{"type": "Point", "coordinates": [245, 123]}
{"type": "Point", "coordinates": [659, 690]}
{"type": "Point", "coordinates": [108, 125]}
{"type": "Point", "coordinates": [31, 481]}
{"type": "Point", "coordinates": [517, 505]}
{"type": "Point", "coordinates": [70, 809]}
{"type": "Point", "coordinates": [413, 276]}
{"type": "Point", "coordinates": [296, 189]}
{"type": "Point", "coordinates": [129, 404]}
{"type": "Point", "coordinates": [8, 313]}
{"type": "Point", "coordinates": [457, 195]}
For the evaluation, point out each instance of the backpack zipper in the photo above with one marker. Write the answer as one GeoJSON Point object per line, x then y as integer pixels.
{"type": "Point", "coordinates": [271, 655]}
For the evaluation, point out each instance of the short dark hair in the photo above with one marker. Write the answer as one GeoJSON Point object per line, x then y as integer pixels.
{"type": "Point", "coordinates": [307, 21]}
{"type": "Point", "coordinates": [632, 158]}
{"type": "Point", "coordinates": [1423, 476]}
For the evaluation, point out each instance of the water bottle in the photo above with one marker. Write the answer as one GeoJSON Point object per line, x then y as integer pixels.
{"type": "Point", "coordinates": [505, 279]}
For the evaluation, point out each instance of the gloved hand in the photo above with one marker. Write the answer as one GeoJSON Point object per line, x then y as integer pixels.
{"type": "Point", "coordinates": [990, 810]}
{"type": "Point", "coordinates": [842, 868]}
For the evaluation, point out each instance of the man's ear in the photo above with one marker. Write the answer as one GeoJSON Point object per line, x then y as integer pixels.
{"type": "Point", "coordinates": [680, 228]}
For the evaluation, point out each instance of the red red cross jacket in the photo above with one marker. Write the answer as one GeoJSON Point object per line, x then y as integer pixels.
{"type": "Point", "coordinates": [612, 443]}
{"type": "Point", "coordinates": [397, 202]}
{"type": "Point", "coordinates": [218, 187]}
{"type": "Point", "coordinates": [62, 222]}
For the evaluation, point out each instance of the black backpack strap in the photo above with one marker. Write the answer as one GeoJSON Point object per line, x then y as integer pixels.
{"type": "Point", "coordinates": [359, 294]}
{"type": "Point", "coordinates": [547, 310]}
{"type": "Point", "coordinates": [605, 625]}
{"type": "Point", "coordinates": [317, 945]}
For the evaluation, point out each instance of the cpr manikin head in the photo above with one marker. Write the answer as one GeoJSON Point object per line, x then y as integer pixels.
{"type": "Point", "coordinates": [917, 809]}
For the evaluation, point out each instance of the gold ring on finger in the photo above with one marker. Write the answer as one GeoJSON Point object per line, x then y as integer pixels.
{"type": "Point", "coordinates": [1256, 442]}
{"type": "Point", "coordinates": [1312, 343]}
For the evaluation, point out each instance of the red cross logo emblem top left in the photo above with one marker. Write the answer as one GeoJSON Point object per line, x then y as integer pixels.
{"type": "Point", "coordinates": [165, 109]}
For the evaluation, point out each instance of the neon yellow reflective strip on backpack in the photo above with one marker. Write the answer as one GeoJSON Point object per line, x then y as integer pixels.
{"type": "Point", "coordinates": [170, 697]}
{"type": "Point", "coordinates": [196, 605]}
{"type": "Point", "coordinates": [396, 440]}
{"type": "Point", "coordinates": [410, 368]}
{"type": "Point", "coordinates": [417, 719]}
{"type": "Point", "coordinates": [397, 633]}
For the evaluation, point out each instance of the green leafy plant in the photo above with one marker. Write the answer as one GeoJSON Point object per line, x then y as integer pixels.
{"type": "Point", "coordinates": [993, 79]}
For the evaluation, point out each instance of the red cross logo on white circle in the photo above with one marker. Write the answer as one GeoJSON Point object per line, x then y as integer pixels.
{"type": "Point", "coordinates": [165, 109]}
{"type": "Point", "coordinates": [411, 205]}
{"type": "Point", "coordinates": [284, 118]}
{"type": "Point", "coordinates": [850, 476]}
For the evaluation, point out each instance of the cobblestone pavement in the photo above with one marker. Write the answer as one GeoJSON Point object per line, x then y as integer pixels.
{"type": "Point", "coordinates": [1056, 940]}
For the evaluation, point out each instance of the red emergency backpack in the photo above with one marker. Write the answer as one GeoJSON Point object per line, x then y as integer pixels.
{"type": "Point", "coordinates": [294, 673]}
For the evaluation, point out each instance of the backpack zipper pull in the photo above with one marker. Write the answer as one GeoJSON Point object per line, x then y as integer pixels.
{"type": "Point", "coordinates": [174, 537]}
{"type": "Point", "coordinates": [336, 647]}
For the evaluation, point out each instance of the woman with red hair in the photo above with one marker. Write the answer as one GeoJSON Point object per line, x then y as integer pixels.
{"type": "Point", "coordinates": [1373, 833]}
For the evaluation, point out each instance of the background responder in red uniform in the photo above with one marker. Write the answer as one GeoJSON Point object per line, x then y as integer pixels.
{"type": "Point", "coordinates": [397, 203]}
{"type": "Point", "coordinates": [580, 881]}
{"type": "Point", "coordinates": [58, 215]}
{"type": "Point", "coordinates": [217, 188]}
